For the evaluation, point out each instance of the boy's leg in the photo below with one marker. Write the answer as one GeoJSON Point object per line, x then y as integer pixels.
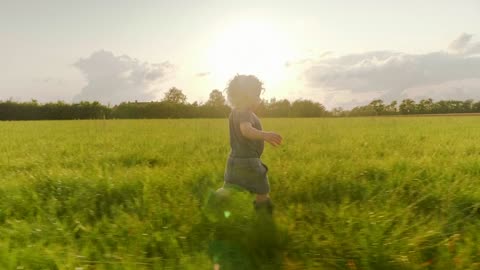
{"type": "Point", "coordinates": [265, 237]}
{"type": "Point", "coordinates": [262, 197]}
{"type": "Point", "coordinates": [263, 203]}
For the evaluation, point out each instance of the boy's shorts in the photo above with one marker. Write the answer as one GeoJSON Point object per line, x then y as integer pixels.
{"type": "Point", "coordinates": [249, 173]}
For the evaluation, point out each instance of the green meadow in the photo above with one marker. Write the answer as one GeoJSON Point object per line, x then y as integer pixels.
{"type": "Point", "coordinates": [349, 193]}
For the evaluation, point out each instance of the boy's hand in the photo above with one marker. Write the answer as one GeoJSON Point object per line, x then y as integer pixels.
{"type": "Point", "coordinates": [272, 138]}
{"type": "Point", "coordinates": [249, 132]}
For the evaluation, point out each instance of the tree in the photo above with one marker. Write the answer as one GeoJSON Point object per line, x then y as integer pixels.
{"type": "Point", "coordinates": [215, 106]}
{"type": "Point", "coordinates": [175, 96]}
{"type": "Point", "coordinates": [407, 106]}
{"type": "Point", "coordinates": [468, 105]}
{"type": "Point", "coordinates": [338, 111]}
{"type": "Point", "coordinates": [307, 108]}
{"type": "Point", "coordinates": [362, 111]}
{"type": "Point", "coordinates": [476, 107]}
{"type": "Point", "coordinates": [392, 108]}
{"type": "Point", "coordinates": [378, 106]}
{"type": "Point", "coordinates": [216, 99]}
{"type": "Point", "coordinates": [280, 108]}
{"type": "Point", "coordinates": [425, 106]}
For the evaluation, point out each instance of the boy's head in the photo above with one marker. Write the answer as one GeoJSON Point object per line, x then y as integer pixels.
{"type": "Point", "coordinates": [243, 92]}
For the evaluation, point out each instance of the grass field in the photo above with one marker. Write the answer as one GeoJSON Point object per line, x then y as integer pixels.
{"type": "Point", "coordinates": [350, 193]}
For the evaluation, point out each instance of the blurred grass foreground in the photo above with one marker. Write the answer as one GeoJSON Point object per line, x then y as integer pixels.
{"type": "Point", "coordinates": [349, 193]}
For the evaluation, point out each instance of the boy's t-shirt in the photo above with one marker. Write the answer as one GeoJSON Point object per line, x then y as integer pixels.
{"type": "Point", "coordinates": [241, 146]}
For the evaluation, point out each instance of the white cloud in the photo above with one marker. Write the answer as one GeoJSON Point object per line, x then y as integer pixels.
{"type": "Point", "coordinates": [463, 45]}
{"type": "Point", "coordinates": [459, 90]}
{"type": "Point", "coordinates": [114, 79]}
{"type": "Point", "coordinates": [395, 75]}
{"type": "Point", "coordinates": [459, 44]}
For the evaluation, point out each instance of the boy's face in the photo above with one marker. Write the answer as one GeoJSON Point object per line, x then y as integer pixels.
{"type": "Point", "coordinates": [256, 103]}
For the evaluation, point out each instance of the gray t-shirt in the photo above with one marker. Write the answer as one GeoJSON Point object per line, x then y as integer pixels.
{"type": "Point", "coordinates": [241, 146]}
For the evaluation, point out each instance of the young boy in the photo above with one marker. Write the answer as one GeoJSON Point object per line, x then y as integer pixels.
{"type": "Point", "coordinates": [244, 167]}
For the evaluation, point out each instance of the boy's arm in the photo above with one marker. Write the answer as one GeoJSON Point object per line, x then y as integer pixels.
{"type": "Point", "coordinates": [252, 133]}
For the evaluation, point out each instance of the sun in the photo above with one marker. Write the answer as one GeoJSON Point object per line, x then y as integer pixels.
{"type": "Point", "coordinates": [250, 48]}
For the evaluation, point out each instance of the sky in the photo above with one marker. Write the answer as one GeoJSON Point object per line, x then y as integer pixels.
{"type": "Point", "coordinates": [339, 53]}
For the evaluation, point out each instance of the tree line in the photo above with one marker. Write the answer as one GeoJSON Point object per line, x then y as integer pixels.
{"type": "Point", "coordinates": [410, 106]}
{"type": "Point", "coordinates": [174, 105]}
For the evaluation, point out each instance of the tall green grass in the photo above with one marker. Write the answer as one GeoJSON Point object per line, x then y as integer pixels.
{"type": "Point", "coordinates": [350, 193]}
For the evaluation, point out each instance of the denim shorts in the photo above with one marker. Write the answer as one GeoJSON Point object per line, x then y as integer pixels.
{"type": "Point", "coordinates": [249, 173]}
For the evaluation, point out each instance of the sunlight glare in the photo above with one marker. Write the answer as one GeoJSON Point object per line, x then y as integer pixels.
{"type": "Point", "coordinates": [250, 48]}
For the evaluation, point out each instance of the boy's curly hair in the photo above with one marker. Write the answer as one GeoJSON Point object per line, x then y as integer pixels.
{"type": "Point", "coordinates": [243, 91]}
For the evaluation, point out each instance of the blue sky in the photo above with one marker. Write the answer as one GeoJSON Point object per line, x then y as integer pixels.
{"type": "Point", "coordinates": [300, 49]}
